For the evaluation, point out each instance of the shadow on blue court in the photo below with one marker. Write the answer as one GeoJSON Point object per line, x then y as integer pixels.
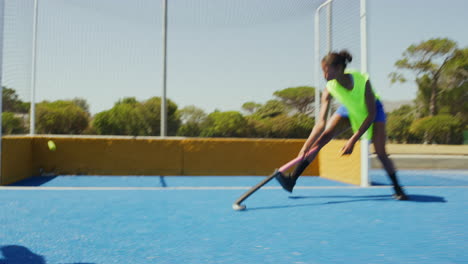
{"type": "Point", "coordinates": [162, 181]}
{"type": "Point", "coordinates": [411, 198]}
{"type": "Point", "coordinates": [35, 181]}
{"type": "Point", "coordinates": [354, 199]}
{"type": "Point", "coordinates": [15, 254]}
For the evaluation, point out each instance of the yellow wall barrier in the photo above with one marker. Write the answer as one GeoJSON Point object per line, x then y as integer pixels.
{"type": "Point", "coordinates": [239, 156]}
{"type": "Point", "coordinates": [81, 155]}
{"type": "Point", "coordinates": [333, 166]}
{"type": "Point", "coordinates": [108, 156]}
{"type": "Point", "coordinates": [16, 159]}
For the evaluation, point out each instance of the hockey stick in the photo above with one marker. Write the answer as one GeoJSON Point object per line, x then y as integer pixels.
{"type": "Point", "coordinates": [237, 204]}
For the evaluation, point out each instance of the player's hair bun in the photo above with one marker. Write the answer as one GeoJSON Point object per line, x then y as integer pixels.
{"type": "Point", "coordinates": [338, 58]}
{"type": "Point", "coordinates": [347, 58]}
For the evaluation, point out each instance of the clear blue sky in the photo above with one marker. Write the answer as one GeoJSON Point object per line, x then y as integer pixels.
{"type": "Point", "coordinates": [221, 53]}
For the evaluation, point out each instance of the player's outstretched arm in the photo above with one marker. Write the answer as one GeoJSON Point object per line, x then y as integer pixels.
{"type": "Point", "coordinates": [320, 124]}
{"type": "Point", "coordinates": [371, 109]}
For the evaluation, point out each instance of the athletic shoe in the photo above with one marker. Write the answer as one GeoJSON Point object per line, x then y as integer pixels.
{"type": "Point", "coordinates": [400, 194]}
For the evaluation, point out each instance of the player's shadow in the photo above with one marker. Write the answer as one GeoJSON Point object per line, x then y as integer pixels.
{"type": "Point", "coordinates": [355, 198]}
{"type": "Point", "coordinates": [411, 198]}
{"type": "Point", "coordinates": [162, 181]}
{"type": "Point", "coordinates": [14, 254]}
{"type": "Point", "coordinates": [34, 181]}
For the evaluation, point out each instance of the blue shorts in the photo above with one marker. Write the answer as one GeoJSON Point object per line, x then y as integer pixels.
{"type": "Point", "coordinates": [379, 115]}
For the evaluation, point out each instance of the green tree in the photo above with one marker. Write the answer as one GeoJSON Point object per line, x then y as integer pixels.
{"type": "Point", "coordinates": [427, 58]}
{"type": "Point", "coordinates": [270, 109]}
{"type": "Point", "coordinates": [423, 96]}
{"type": "Point", "coordinates": [192, 119]}
{"type": "Point", "coordinates": [281, 126]}
{"type": "Point", "coordinates": [299, 98]}
{"type": "Point", "coordinates": [455, 72]}
{"type": "Point", "coordinates": [399, 122]}
{"type": "Point", "coordinates": [61, 117]}
{"type": "Point", "coordinates": [440, 129]}
{"type": "Point", "coordinates": [251, 107]}
{"type": "Point", "coordinates": [225, 124]}
{"type": "Point", "coordinates": [455, 102]}
{"type": "Point", "coordinates": [126, 117]}
{"type": "Point", "coordinates": [12, 124]}
{"type": "Point", "coordinates": [152, 110]}
{"type": "Point", "coordinates": [454, 94]}
{"type": "Point", "coordinates": [296, 126]}
{"type": "Point", "coordinates": [12, 103]}
{"type": "Point", "coordinates": [82, 103]}
{"type": "Point", "coordinates": [131, 117]}
{"type": "Point", "coordinates": [189, 130]}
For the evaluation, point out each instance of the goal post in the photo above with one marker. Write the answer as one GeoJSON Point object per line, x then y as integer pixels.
{"type": "Point", "coordinates": [333, 21]}
{"type": "Point", "coordinates": [365, 182]}
{"type": "Point", "coordinates": [2, 13]}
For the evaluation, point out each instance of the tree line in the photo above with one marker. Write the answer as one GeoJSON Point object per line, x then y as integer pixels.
{"type": "Point", "coordinates": [282, 117]}
{"type": "Point", "coordinates": [439, 113]}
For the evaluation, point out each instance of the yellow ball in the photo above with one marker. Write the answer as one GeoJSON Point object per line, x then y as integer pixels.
{"type": "Point", "coordinates": [51, 145]}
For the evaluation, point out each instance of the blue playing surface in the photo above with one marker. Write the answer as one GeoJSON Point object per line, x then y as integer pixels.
{"type": "Point", "coordinates": [322, 222]}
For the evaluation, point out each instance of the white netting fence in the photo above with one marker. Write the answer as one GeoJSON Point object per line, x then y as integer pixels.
{"type": "Point", "coordinates": [106, 50]}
